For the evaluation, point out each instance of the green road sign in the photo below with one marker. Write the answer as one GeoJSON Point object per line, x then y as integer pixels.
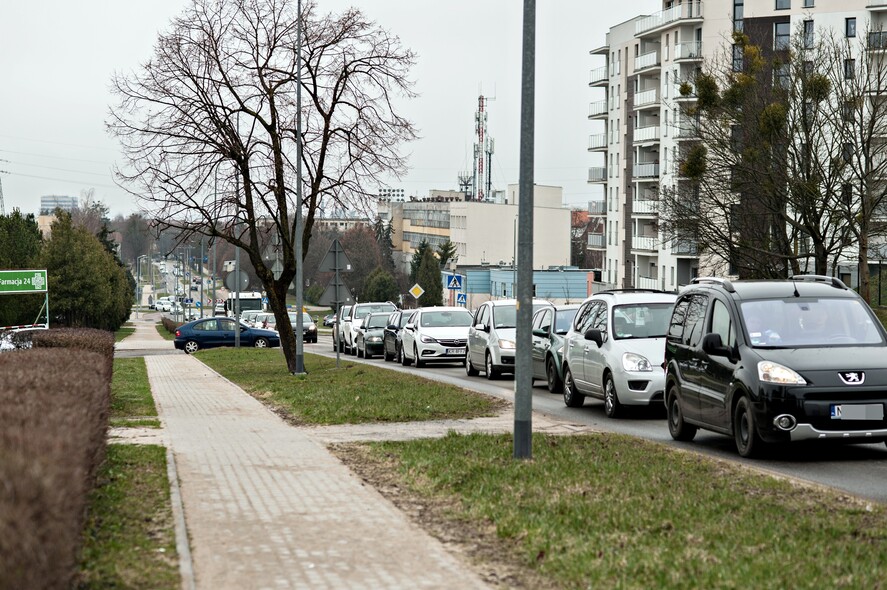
{"type": "Point", "coordinates": [22, 281]}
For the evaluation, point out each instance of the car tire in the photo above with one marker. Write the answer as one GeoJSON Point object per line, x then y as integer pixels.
{"type": "Point", "coordinates": [677, 428]}
{"type": "Point", "coordinates": [385, 355]}
{"type": "Point", "coordinates": [613, 408]}
{"type": "Point", "coordinates": [553, 379]}
{"type": "Point", "coordinates": [404, 360]}
{"type": "Point", "coordinates": [358, 352]}
{"type": "Point", "coordinates": [261, 343]}
{"type": "Point", "coordinates": [191, 347]}
{"type": "Point", "coordinates": [469, 368]}
{"type": "Point", "coordinates": [419, 363]}
{"type": "Point", "coordinates": [745, 432]}
{"type": "Point", "coordinates": [572, 397]}
{"type": "Point", "coordinates": [492, 372]}
{"type": "Point", "coordinates": [398, 355]}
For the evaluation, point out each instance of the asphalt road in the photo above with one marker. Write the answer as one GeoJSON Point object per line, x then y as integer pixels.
{"type": "Point", "coordinates": [858, 469]}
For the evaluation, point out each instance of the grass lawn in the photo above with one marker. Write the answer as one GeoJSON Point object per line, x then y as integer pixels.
{"type": "Point", "coordinates": [124, 331]}
{"type": "Point", "coordinates": [612, 511]}
{"type": "Point", "coordinates": [129, 540]}
{"type": "Point", "coordinates": [164, 332]}
{"type": "Point", "coordinates": [131, 400]}
{"type": "Point", "coordinates": [354, 393]}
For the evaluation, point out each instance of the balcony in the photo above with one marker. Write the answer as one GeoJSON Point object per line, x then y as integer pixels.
{"type": "Point", "coordinates": [597, 142]}
{"type": "Point", "coordinates": [691, 10]}
{"type": "Point", "coordinates": [649, 171]}
{"type": "Point", "coordinates": [877, 41]}
{"type": "Point", "coordinates": [598, 77]}
{"type": "Point", "coordinates": [644, 207]}
{"type": "Point", "coordinates": [647, 60]}
{"type": "Point", "coordinates": [644, 243]}
{"type": "Point", "coordinates": [684, 247]}
{"type": "Point", "coordinates": [688, 51]}
{"type": "Point", "coordinates": [647, 98]}
{"type": "Point", "coordinates": [648, 283]}
{"type": "Point", "coordinates": [596, 241]}
{"type": "Point", "coordinates": [597, 208]}
{"type": "Point", "coordinates": [646, 134]}
{"type": "Point", "coordinates": [687, 131]}
{"type": "Point", "coordinates": [597, 174]}
{"type": "Point", "coordinates": [597, 109]}
{"type": "Point", "coordinates": [877, 5]}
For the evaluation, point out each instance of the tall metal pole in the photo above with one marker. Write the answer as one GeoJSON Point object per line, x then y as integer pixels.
{"type": "Point", "coordinates": [300, 344]}
{"type": "Point", "coordinates": [523, 395]}
{"type": "Point", "coordinates": [200, 272]}
{"type": "Point", "coordinates": [236, 296]}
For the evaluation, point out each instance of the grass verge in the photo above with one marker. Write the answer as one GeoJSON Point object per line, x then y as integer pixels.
{"type": "Point", "coordinates": [131, 400]}
{"type": "Point", "coordinates": [612, 511]}
{"type": "Point", "coordinates": [124, 331]}
{"type": "Point", "coordinates": [164, 332]}
{"type": "Point", "coordinates": [354, 393]}
{"type": "Point", "coordinates": [129, 540]}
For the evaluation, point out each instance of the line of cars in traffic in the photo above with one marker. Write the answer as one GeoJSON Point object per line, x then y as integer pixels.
{"type": "Point", "coordinates": [764, 362]}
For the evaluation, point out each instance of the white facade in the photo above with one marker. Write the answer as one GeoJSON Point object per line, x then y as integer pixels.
{"type": "Point", "coordinates": [636, 120]}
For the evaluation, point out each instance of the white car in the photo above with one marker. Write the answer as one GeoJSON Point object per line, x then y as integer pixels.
{"type": "Point", "coordinates": [491, 339]}
{"type": "Point", "coordinates": [615, 348]}
{"type": "Point", "coordinates": [435, 334]}
{"type": "Point", "coordinates": [355, 316]}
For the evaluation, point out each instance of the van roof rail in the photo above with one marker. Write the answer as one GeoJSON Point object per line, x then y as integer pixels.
{"type": "Point", "coordinates": [833, 281]}
{"type": "Point", "coordinates": [716, 280]}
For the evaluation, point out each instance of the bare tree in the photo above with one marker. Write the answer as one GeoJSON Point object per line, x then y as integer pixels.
{"type": "Point", "coordinates": [211, 130]}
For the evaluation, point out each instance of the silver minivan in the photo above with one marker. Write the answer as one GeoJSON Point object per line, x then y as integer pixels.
{"type": "Point", "coordinates": [492, 335]}
{"type": "Point", "coordinates": [615, 348]}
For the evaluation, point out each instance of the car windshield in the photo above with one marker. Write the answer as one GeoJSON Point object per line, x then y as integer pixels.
{"type": "Point", "coordinates": [641, 320]}
{"type": "Point", "coordinates": [377, 321]}
{"type": "Point", "coordinates": [562, 320]}
{"type": "Point", "coordinates": [781, 323]}
{"type": "Point", "coordinates": [445, 319]}
{"type": "Point", "coordinates": [306, 318]}
{"type": "Point", "coordinates": [360, 312]}
{"type": "Point", "coordinates": [504, 316]}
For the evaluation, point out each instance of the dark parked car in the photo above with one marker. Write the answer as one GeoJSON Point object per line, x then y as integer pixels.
{"type": "Point", "coordinates": [217, 331]}
{"type": "Point", "coordinates": [329, 320]}
{"type": "Point", "coordinates": [550, 324]}
{"type": "Point", "coordinates": [391, 349]}
{"type": "Point", "coordinates": [309, 328]}
{"type": "Point", "coordinates": [368, 338]}
{"type": "Point", "coordinates": [775, 362]}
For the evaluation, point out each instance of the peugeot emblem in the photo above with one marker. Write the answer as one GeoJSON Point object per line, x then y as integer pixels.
{"type": "Point", "coordinates": [852, 377]}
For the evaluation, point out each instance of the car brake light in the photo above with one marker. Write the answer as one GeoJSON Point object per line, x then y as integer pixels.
{"type": "Point", "coordinates": [178, 333]}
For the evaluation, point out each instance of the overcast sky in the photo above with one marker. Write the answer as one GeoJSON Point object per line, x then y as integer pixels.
{"type": "Point", "coordinates": [58, 57]}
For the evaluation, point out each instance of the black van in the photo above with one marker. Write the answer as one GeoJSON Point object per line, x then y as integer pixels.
{"type": "Point", "coordinates": [774, 362]}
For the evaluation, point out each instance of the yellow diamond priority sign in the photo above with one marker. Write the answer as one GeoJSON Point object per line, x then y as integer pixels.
{"type": "Point", "coordinates": [416, 291]}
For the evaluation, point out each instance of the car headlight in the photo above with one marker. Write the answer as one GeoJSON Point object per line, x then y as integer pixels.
{"type": "Point", "coordinates": [636, 362]}
{"type": "Point", "coordinates": [312, 327]}
{"type": "Point", "coordinates": [506, 343]}
{"type": "Point", "coordinates": [770, 372]}
{"type": "Point", "coordinates": [427, 339]}
{"type": "Point", "coordinates": [374, 339]}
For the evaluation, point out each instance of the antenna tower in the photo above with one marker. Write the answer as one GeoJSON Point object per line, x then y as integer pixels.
{"type": "Point", "coordinates": [483, 152]}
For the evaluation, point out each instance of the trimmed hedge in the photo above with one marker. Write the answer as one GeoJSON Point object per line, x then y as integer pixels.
{"type": "Point", "coordinates": [169, 324]}
{"type": "Point", "coordinates": [54, 407]}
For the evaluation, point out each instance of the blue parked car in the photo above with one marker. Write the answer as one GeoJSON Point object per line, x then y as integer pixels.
{"type": "Point", "coordinates": [217, 331]}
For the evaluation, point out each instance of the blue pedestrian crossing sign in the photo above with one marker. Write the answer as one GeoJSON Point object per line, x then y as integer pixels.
{"type": "Point", "coordinates": [455, 282]}
{"type": "Point", "coordinates": [460, 299]}
{"type": "Point", "coordinates": [264, 300]}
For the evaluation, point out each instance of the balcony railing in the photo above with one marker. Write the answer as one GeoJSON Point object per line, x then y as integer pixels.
{"type": "Point", "coordinates": [648, 283]}
{"type": "Point", "coordinates": [597, 141]}
{"type": "Point", "coordinates": [647, 97]}
{"type": "Point", "coordinates": [877, 40]}
{"type": "Point", "coordinates": [597, 174]}
{"type": "Point", "coordinates": [597, 207]}
{"type": "Point", "coordinates": [690, 9]}
{"type": "Point", "coordinates": [597, 108]}
{"type": "Point", "coordinates": [646, 60]}
{"type": "Point", "coordinates": [650, 133]}
{"type": "Point", "coordinates": [598, 75]}
{"type": "Point", "coordinates": [692, 50]}
{"type": "Point", "coordinates": [646, 170]}
{"type": "Point", "coordinates": [644, 207]}
{"type": "Point", "coordinates": [596, 241]}
{"type": "Point", "coordinates": [644, 243]}
{"type": "Point", "coordinates": [684, 247]}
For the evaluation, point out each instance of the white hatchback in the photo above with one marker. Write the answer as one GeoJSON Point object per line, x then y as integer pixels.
{"type": "Point", "coordinates": [435, 334]}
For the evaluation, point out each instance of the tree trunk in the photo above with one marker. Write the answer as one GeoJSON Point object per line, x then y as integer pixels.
{"type": "Point", "coordinates": [863, 268]}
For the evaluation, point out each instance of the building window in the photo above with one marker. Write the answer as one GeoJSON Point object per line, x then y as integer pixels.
{"type": "Point", "coordinates": [737, 58]}
{"type": "Point", "coordinates": [809, 3]}
{"type": "Point", "coordinates": [847, 152]}
{"type": "Point", "coordinates": [783, 4]}
{"type": "Point", "coordinates": [781, 35]}
{"type": "Point", "coordinates": [782, 76]}
{"type": "Point", "coordinates": [849, 69]}
{"type": "Point", "coordinates": [808, 34]}
{"type": "Point", "coordinates": [848, 111]}
{"type": "Point", "coordinates": [850, 27]}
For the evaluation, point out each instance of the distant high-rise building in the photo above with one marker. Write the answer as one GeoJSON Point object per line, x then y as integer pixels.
{"type": "Point", "coordinates": [49, 203]}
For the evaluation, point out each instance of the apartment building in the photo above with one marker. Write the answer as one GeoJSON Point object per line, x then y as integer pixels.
{"type": "Point", "coordinates": [483, 232]}
{"type": "Point", "coordinates": [636, 114]}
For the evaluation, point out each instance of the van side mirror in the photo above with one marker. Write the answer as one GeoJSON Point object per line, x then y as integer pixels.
{"type": "Point", "coordinates": [595, 336]}
{"type": "Point", "coordinates": [481, 327]}
{"type": "Point", "coordinates": [714, 346]}
{"type": "Point", "coordinates": [540, 333]}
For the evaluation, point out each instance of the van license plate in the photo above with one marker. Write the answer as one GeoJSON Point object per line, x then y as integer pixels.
{"type": "Point", "coordinates": [857, 411]}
